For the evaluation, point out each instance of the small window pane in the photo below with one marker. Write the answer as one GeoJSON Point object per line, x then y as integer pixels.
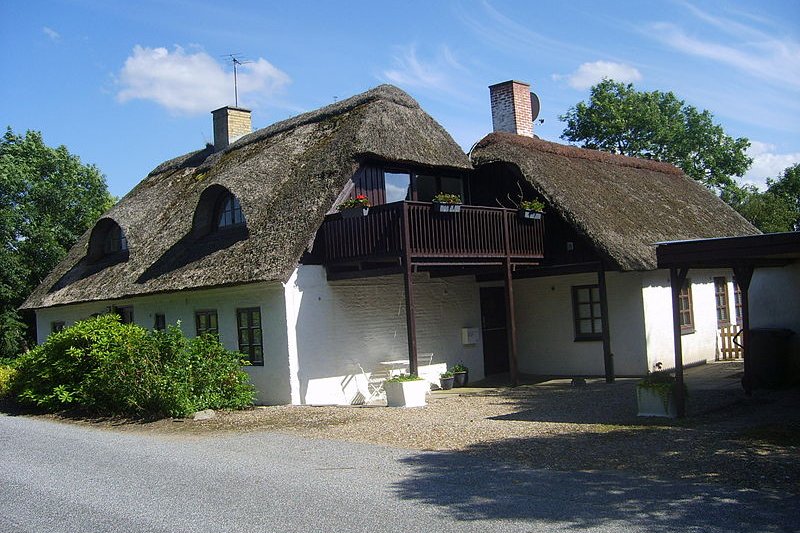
{"type": "Point", "coordinates": [584, 311]}
{"type": "Point", "coordinates": [426, 188]}
{"type": "Point", "coordinates": [398, 186]}
{"type": "Point", "coordinates": [451, 185]}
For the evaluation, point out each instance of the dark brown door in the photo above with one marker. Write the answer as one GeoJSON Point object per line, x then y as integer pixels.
{"type": "Point", "coordinates": [495, 335]}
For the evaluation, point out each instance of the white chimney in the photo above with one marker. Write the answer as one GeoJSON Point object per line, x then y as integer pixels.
{"type": "Point", "coordinates": [511, 107]}
{"type": "Point", "coordinates": [230, 123]}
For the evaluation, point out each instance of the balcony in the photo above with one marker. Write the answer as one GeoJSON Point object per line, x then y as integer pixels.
{"type": "Point", "coordinates": [412, 234]}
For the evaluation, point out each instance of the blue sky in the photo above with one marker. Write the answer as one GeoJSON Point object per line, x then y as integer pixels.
{"type": "Point", "coordinates": [127, 85]}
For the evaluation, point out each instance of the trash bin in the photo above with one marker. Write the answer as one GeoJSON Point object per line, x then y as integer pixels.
{"type": "Point", "coordinates": [770, 350]}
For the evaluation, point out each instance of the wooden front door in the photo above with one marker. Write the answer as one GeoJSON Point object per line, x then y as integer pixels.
{"type": "Point", "coordinates": [495, 335]}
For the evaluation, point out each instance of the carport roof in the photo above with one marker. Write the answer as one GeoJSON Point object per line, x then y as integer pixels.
{"type": "Point", "coordinates": [771, 249]}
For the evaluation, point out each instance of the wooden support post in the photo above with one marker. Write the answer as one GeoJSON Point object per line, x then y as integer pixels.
{"type": "Point", "coordinates": [411, 324]}
{"type": "Point", "coordinates": [743, 274]}
{"type": "Point", "coordinates": [608, 357]}
{"type": "Point", "coordinates": [677, 278]}
{"type": "Point", "coordinates": [511, 322]}
{"type": "Point", "coordinates": [511, 326]}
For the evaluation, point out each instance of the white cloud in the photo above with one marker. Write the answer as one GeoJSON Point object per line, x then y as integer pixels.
{"type": "Point", "coordinates": [765, 56]}
{"type": "Point", "coordinates": [53, 34]}
{"type": "Point", "coordinates": [589, 74]}
{"type": "Point", "coordinates": [766, 163]}
{"type": "Point", "coordinates": [191, 83]}
{"type": "Point", "coordinates": [442, 74]}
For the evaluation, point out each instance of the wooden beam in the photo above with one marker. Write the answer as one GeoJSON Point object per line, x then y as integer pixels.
{"type": "Point", "coordinates": [511, 322]}
{"type": "Point", "coordinates": [411, 324]}
{"type": "Point", "coordinates": [334, 275]}
{"type": "Point", "coordinates": [743, 274]}
{"type": "Point", "coordinates": [511, 327]}
{"type": "Point", "coordinates": [677, 277]}
{"type": "Point", "coordinates": [608, 357]}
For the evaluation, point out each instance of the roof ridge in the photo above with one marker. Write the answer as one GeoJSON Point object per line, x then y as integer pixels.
{"type": "Point", "coordinates": [577, 152]}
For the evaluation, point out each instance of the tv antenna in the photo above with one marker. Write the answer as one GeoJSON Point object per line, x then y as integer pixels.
{"type": "Point", "coordinates": [234, 58]}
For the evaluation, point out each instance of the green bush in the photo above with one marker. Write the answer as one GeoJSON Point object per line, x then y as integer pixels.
{"type": "Point", "coordinates": [122, 369]}
{"type": "Point", "coordinates": [7, 373]}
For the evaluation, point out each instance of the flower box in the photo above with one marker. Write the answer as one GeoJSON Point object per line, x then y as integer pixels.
{"type": "Point", "coordinates": [656, 402]}
{"type": "Point", "coordinates": [440, 207]}
{"type": "Point", "coordinates": [406, 393]}
{"type": "Point", "coordinates": [354, 212]}
{"type": "Point", "coordinates": [529, 214]}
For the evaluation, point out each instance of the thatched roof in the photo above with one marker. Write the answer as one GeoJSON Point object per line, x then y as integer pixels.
{"type": "Point", "coordinates": [623, 205]}
{"type": "Point", "coordinates": [287, 176]}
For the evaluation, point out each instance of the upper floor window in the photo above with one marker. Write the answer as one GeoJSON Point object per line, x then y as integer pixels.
{"type": "Point", "coordinates": [229, 211]}
{"type": "Point", "coordinates": [115, 241]}
{"type": "Point", "coordinates": [107, 239]}
{"type": "Point", "coordinates": [217, 209]}
{"type": "Point", "coordinates": [388, 185]}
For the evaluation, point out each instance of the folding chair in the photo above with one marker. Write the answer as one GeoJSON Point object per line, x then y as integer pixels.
{"type": "Point", "coordinates": [375, 380]}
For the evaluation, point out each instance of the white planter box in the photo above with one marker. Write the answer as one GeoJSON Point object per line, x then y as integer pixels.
{"type": "Point", "coordinates": [652, 404]}
{"type": "Point", "coordinates": [406, 393]}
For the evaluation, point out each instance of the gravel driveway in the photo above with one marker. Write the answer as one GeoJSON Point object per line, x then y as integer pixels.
{"type": "Point", "coordinates": [746, 443]}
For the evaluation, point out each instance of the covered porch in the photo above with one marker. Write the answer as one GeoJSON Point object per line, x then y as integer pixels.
{"type": "Point", "coordinates": [745, 255]}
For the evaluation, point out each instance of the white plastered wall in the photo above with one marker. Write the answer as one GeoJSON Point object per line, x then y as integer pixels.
{"type": "Point", "coordinates": [271, 380]}
{"type": "Point", "coordinates": [775, 302]}
{"type": "Point", "coordinates": [336, 326]}
{"type": "Point", "coordinates": [702, 344]}
{"type": "Point", "coordinates": [546, 334]}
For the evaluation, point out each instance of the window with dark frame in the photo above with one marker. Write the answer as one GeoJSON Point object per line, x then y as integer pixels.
{"type": "Point", "coordinates": [403, 185]}
{"type": "Point", "coordinates": [160, 322]}
{"type": "Point", "coordinates": [56, 326]}
{"type": "Point", "coordinates": [115, 241]}
{"type": "Point", "coordinates": [229, 211]}
{"type": "Point", "coordinates": [125, 313]}
{"type": "Point", "coordinates": [737, 301]}
{"type": "Point", "coordinates": [685, 307]}
{"type": "Point", "coordinates": [587, 312]}
{"type": "Point", "coordinates": [206, 322]}
{"type": "Point", "coordinates": [250, 343]}
{"type": "Point", "coordinates": [721, 297]}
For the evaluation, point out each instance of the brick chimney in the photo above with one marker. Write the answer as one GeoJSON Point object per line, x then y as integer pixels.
{"type": "Point", "coordinates": [511, 107]}
{"type": "Point", "coordinates": [230, 123]}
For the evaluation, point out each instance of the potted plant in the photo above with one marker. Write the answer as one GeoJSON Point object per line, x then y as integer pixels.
{"type": "Point", "coordinates": [531, 209]}
{"type": "Point", "coordinates": [460, 375]}
{"type": "Point", "coordinates": [655, 394]}
{"type": "Point", "coordinates": [406, 390]}
{"type": "Point", "coordinates": [354, 207]}
{"type": "Point", "coordinates": [447, 203]}
{"type": "Point", "coordinates": [446, 380]}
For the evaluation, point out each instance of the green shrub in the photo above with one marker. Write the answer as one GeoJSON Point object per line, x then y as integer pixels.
{"type": "Point", "coordinates": [122, 369]}
{"type": "Point", "coordinates": [403, 377]}
{"type": "Point", "coordinates": [7, 373]}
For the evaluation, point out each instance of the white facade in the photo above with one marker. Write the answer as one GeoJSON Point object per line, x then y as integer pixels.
{"type": "Point", "coordinates": [321, 338]}
{"type": "Point", "coordinates": [702, 343]}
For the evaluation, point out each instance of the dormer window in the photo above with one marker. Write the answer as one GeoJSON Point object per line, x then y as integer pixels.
{"type": "Point", "coordinates": [115, 241]}
{"type": "Point", "coordinates": [230, 212]}
{"type": "Point", "coordinates": [108, 240]}
{"type": "Point", "coordinates": [218, 209]}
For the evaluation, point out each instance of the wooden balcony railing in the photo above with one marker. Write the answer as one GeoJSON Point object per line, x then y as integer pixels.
{"type": "Point", "coordinates": [479, 234]}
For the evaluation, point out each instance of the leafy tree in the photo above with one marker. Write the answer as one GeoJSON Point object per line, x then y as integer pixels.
{"type": "Point", "coordinates": [657, 125]}
{"type": "Point", "coordinates": [777, 208]}
{"type": "Point", "coordinates": [48, 198]}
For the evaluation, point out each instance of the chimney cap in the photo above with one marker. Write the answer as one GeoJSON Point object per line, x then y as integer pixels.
{"type": "Point", "coordinates": [510, 81]}
{"type": "Point", "coordinates": [234, 108]}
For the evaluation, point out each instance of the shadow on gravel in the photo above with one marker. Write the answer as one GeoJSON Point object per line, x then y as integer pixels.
{"type": "Point", "coordinates": [473, 488]}
{"type": "Point", "coordinates": [733, 466]}
{"type": "Point", "coordinates": [12, 408]}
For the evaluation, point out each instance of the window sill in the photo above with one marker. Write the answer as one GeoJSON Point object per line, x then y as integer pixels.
{"type": "Point", "coordinates": [593, 338]}
{"type": "Point", "coordinates": [687, 331]}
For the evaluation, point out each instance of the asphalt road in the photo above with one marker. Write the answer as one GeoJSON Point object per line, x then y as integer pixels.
{"type": "Point", "coordinates": [58, 477]}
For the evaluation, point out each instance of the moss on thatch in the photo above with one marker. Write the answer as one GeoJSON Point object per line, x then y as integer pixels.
{"type": "Point", "coordinates": [623, 205]}
{"type": "Point", "coordinates": [287, 176]}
